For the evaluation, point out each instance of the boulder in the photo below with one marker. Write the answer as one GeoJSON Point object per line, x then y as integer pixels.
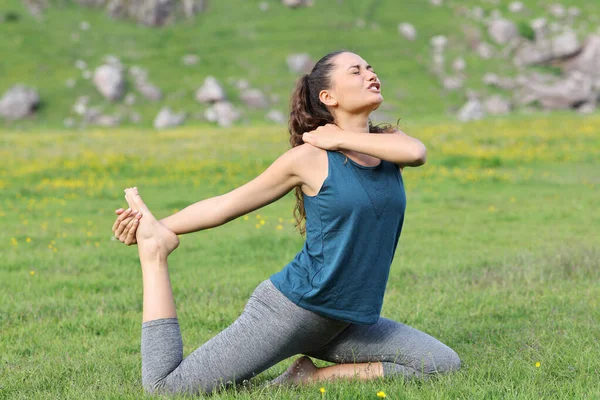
{"type": "Point", "coordinates": [110, 82]}
{"type": "Point", "coordinates": [569, 92]}
{"type": "Point", "coordinates": [18, 102]}
{"type": "Point", "coordinates": [407, 30]}
{"type": "Point", "coordinates": [497, 105]}
{"type": "Point", "coordinates": [546, 50]}
{"type": "Point", "coordinates": [276, 116]}
{"type": "Point", "coordinates": [471, 110]}
{"type": "Point", "coordinates": [211, 91]}
{"type": "Point", "coordinates": [516, 7]}
{"type": "Point", "coordinates": [502, 30]}
{"type": "Point", "coordinates": [148, 90]}
{"type": "Point", "coordinates": [223, 113]}
{"type": "Point", "coordinates": [300, 63]}
{"type": "Point", "coordinates": [254, 98]}
{"type": "Point", "coordinates": [168, 119]}
{"type": "Point", "coordinates": [588, 60]}
{"type": "Point", "coordinates": [297, 3]}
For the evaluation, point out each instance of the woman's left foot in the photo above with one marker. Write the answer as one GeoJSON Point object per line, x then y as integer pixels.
{"type": "Point", "coordinates": [300, 371]}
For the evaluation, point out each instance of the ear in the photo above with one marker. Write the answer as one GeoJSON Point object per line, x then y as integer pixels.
{"type": "Point", "coordinates": [327, 98]}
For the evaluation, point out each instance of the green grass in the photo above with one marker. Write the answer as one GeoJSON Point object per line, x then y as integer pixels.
{"type": "Point", "coordinates": [497, 259]}
{"type": "Point", "coordinates": [234, 39]}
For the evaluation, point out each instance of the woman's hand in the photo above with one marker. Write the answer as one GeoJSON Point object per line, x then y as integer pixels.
{"type": "Point", "coordinates": [124, 227]}
{"type": "Point", "coordinates": [327, 137]}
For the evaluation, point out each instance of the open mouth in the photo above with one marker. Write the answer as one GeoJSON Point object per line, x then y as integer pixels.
{"type": "Point", "coordinates": [374, 87]}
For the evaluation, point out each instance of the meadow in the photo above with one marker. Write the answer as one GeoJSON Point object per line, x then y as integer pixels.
{"type": "Point", "coordinates": [497, 259]}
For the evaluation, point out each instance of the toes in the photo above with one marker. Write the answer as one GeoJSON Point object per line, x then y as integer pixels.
{"type": "Point", "coordinates": [137, 200]}
{"type": "Point", "coordinates": [129, 198]}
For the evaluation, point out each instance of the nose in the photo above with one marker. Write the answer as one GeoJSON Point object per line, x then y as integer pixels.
{"type": "Point", "coordinates": [372, 76]}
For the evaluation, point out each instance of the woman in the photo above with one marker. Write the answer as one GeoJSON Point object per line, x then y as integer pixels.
{"type": "Point", "coordinates": [326, 302]}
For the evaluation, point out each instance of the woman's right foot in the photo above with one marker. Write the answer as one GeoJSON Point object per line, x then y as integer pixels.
{"type": "Point", "coordinates": [153, 239]}
{"type": "Point", "coordinates": [300, 371]}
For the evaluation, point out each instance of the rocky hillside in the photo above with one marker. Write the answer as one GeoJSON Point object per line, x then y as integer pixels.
{"type": "Point", "coordinates": [162, 63]}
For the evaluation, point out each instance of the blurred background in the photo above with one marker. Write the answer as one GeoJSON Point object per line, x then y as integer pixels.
{"type": "Point", "coordinates": [162, 63]}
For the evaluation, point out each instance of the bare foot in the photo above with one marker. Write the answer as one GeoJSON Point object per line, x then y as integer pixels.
{"type": "Point", "coordinates": [300, 371]}
{"type": "Point", "coordinates": [154, 240]}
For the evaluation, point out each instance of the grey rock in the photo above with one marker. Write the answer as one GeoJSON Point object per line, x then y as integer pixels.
{"type": "Point", "coordinates": [223, 113]}
{"type": "Point", "coordinates": [407, 30]}
{"type": "Point", "coordinates": [300, 63]}
{"type": "Point", "coordinates": [484, 50]}
{"type": "Point", "coordinates": [166, 118]}
{"type": "Point", "coordinates": [263, 6]}
{"type": "Point", "coordinates": [497, 105]}
{"type": "Point", "coordinates": [588, 60]}
{"type": "Point", "coordinates": [190, 59]}
{"type": "Point", "coordinates": [452, 82]}
{"type": "Point", "coordinates": [107, 121]}
{"type": "Point", "coordinates": [80, 64]}
{"type": "Point", "coordinates": [546, 50]}
{"type": "Point", "coordinates": [557, 10]}
{"type": "Point", "coordinates": [110, 82]}
{"type": "Point", "coordinates": [471, 110]}
{"type": "Point", "coordinates": [276, 116]}
{"type": "Point", "coordinates": [18, 102]}
{"type": "Point", "coordinates": [148, 90]}
{"type": "Point", "coordinates": [297, 3]}
{"type": "Point", "coordinates": [70, 83]}
{"type": "Point", "coordinates": [459, 64]}
{"type": "Point", "coordinates": [438, 43]}
{"type": "Point", "coordinates": [502, 30]}
{"type": "Point", "coordinates": [516, 7]}
{"type": "Point", "coordinates": [569, 92]}
{"type": "Point", "coordinates": [254, 98]}
{"type": "Point", "coordinates": [211, 91]}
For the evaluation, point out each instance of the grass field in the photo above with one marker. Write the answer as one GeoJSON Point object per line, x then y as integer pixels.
{"type": "Point", "coordinates": [498, 257]}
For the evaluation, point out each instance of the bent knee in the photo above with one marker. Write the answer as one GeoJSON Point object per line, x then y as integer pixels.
{"type": "Point", "coordinates": [446, 361]}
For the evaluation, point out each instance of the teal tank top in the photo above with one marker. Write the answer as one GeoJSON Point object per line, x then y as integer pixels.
{"type": "Point", "coordinates": [352, 229]}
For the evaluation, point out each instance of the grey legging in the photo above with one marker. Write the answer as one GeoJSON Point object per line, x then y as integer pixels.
{"type": "Point", "coordinates": [271, 329]}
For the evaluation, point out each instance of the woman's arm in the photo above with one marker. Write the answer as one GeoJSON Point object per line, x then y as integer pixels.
{"type": "Point", "coordinates": [271, 185]}
{"type": "Point", "coordinates": [396, 147]}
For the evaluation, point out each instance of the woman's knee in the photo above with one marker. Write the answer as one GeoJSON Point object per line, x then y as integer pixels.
{"type": "Point", "coordinates": [446, 361]}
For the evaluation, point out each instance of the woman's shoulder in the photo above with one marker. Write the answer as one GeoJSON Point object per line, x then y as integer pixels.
{"type": "Point", "coordinates": [308, 161]}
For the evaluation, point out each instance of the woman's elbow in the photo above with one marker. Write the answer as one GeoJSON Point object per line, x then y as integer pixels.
{"type": "Point", "coordinates": [420, 156]}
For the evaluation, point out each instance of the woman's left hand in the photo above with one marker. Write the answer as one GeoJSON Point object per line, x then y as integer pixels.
{"type": "Point", "coordinates": [327, 137]}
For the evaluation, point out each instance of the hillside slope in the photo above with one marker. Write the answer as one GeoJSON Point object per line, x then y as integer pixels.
{"type": "Point", "coordinates": [235, 39]}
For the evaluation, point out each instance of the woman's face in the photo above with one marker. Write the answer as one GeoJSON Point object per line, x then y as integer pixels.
{"type": "Point", "coordinates": [355, 87]}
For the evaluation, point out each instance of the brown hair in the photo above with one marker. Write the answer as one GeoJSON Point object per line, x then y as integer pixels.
{"type": "Point", "coordinates": [307, 113]}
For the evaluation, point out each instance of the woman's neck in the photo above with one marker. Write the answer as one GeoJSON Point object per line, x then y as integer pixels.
{"type": "Point", "coordinates": [353, 123]}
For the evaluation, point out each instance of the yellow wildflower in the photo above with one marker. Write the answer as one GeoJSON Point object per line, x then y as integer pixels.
{"type": "Point", "coordinates": [537, 364]}
{"type": "Point", "coordinates": [14, 241]}
{"type": "Point", "coordinates": [262, 221]}
{"type": "Point", "coordinates": [322, 390]}
{"type": "Point", "coordinates": [31, 273]}
{"type": "Point", "coordinates": [381, 394]}
{"type": "Point", "coordinates": [28, 240]}
{"type": "Point", "coordinates": [245, 218]}
{"type": "Point", "coordinates": [279, 227]}
{"type": "Point", "coordinates": [257, 226]}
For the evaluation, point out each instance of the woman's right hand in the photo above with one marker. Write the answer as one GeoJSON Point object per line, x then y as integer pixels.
{"type": "Point", "coordinates": [124, 228]}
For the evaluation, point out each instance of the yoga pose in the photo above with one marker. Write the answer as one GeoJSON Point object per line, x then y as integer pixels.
{"type": "Point", "coordinates": [326, 302]}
